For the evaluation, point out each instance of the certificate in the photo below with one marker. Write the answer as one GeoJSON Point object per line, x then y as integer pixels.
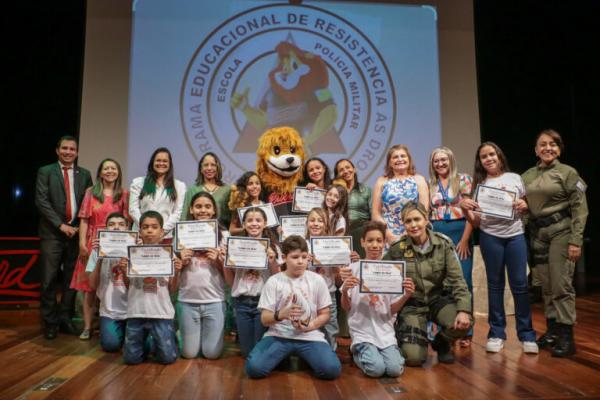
{"type": "Point", "coordinates": [245, 252]}
{"type": "Point", "coordinates": [293, 225]}
{"type": "Point", "coordinates": [384, 277]}
{"type": "Point", "coordinates": [495, 202]}
{"type": "Point", "coordinates": [305, 200]}
{"type": "Point", "coordinates": [113, 244]}
{"type": "Point", "coordinates": [267, 208]}
{"type": "Point", "coordinates": [150, 260]}
{"type": "Point", "coordinates": [331, 251]}
{"type": "Point", "coordinates": [197, 235]}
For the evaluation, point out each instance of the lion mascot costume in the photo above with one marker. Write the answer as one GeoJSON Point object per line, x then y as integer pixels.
{"type": "Point", "coordinates": [279, 163]}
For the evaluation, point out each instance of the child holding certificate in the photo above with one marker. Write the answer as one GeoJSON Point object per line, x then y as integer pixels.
{"type": "Point", "coordinates": [317, 224]}
{"type": "Point", "coordinates": [503, 247]}
{"type": "Point", "coordinates": [371, 317]}
{"type": "Point", "coordinates": [294, 305]}
{"type": "Point", "coordinates": [149, 307]}
{"type": "Point", "coordinates": [109, 282]}
{"type": "Point", "coordinates": [246, 284]}
{"type": "Point", "coordinates": [201, 299]}
{"type": "Point", "coordinates": [335, 205]}
{"type": "Point", "coordinates": [247, 191]}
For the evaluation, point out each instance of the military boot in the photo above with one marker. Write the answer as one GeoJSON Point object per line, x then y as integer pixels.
{"type": "Point", "coordinates": [549, 338]}
{"type": "Point", "coordinates": [443, 348]}
{"type": "Point", "coordinates": [564, 345]}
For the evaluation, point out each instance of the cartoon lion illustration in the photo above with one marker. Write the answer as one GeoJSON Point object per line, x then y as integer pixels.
{"type": "Point", "coordinates": [299, 97]}
{"type": "Point", "coordinates": [280, 157]}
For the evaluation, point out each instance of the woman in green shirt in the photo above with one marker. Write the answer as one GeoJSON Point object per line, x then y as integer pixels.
{"type": "Point", "coordinates": [359, 201]}
{"type": "Point", "coordinates": [210, 175]}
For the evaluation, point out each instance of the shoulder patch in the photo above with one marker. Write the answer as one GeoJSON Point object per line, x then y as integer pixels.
{"type": "Point", "coordinates": [582, 187]}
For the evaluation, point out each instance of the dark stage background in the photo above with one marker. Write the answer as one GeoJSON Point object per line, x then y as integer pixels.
{"type": "Point", "coordinates": [537, 64]}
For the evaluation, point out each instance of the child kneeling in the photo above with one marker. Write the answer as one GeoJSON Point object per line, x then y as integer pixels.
{"type": "Point", "coordinates": [149, 307]}
{"type": "Point", "coordinates": [371, 316]}
{"type": "Point", "coordinates": [294, 304]}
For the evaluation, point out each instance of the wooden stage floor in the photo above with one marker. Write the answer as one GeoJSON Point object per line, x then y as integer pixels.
{"type": "Point", "coordinates": [67, 368]}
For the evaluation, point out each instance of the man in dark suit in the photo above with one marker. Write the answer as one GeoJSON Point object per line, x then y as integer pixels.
{"type": "Point", "coordinates": [59, 191]}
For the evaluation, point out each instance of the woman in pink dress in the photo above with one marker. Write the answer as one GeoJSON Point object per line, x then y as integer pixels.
{"type": "Point", "coordinates": [105, 197]}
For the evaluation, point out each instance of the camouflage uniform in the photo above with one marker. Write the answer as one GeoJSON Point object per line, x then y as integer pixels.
{"type": "Point", "coordinates": [557, 215]}
{"type": "Point", "coordinates": [440, 293]}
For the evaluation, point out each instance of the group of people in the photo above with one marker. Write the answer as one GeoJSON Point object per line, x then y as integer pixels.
{"type": "Point", "coordinates": [292, 306]}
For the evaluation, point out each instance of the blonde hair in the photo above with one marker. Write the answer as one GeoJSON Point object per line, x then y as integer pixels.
{"type": "Point", "coordinates": [388, 171]}
{"type": "Point", "coordinates": [453, 177]}
{"type": "Point", "coordinates": [321, 213]}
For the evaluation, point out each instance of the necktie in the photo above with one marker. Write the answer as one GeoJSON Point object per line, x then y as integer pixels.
{"type": "Point", "coordinates": [68, 209]}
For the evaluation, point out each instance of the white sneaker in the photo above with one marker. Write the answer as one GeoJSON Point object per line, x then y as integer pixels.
{"type": "Point", "coordinates": [530, 348]}
{"type": "Point", "coordinates": [494, 345]}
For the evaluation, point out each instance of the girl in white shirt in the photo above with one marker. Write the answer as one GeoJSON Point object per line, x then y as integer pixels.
{"type": "Point", "coordinates": [246, 284]}
{"type": "Point", "coordinates": [201, 296]}
{"type": "Point", "coordinates": [503, 248]}
{"type": "Point", "coordinates": [317, 224]}
{"type": "Point", "coordinates": [158, 191]}
{"type": "Point", "coordinates": [335, 205]}
{"type": "Point", "coordinates": [371, 317]}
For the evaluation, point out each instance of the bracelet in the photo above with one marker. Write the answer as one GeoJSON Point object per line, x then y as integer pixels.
{"type": "Point", "coordinates": [276, 316]}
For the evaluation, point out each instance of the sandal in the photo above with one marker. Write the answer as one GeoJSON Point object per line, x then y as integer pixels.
{"type": "Point", "coordinates": [86, 334]}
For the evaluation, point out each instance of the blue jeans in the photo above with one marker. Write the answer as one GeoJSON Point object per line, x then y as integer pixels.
{"type": "Point", "coordinates": [512, 252]}
{"type": "Point", "coordinates": [112, 334]}
{"type": "Point", "coordinates": [247, 319]}
{"type": "Point", "coordinates": [270, 351]}
{"type": "Point", "coordinates": [331, 328]}
{"type": "Point", "coordinates": [454, 229]}
{"type": "Point", "coordinates": [163, 335]}
{"type": "Point", "coordinates": [376, 362]}
{"type": "Point", "coordinates": [202, 327]}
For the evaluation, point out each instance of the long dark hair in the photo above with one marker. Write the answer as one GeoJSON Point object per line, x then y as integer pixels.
{"type": "Point", "coordinates": [98, 186]}
{"type": "Point", "coordinates": [359, 186]}
{"type": "Point", "coordinates": [479, 172]}
{"type": "Point", "coordinates": [149, 187]}
{"type": "Point", "coordinates": [239, 196]}
{"type": "Point", "coordinates": [266, 233]}
{"type": "Point", "coordinates": [218, 178]}
{"type": "Point", "coordinates": [208, 196]}
{"type": "Point", "coordinates": [326, 173]}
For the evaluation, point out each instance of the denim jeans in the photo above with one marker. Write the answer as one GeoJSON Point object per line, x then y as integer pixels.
{"type": "Point", "coordinates": [112, 334]}
{"type": "Point", "coordinates": [163, 335]}
{"type": "Point", "coordinates": [270, 351]}
{"type": "Point", "coordinates": [247, 319]}
{"type": "Point", "coordinates": [201, 327]}
{"type": "Point", "coordinates": [376, 362]}
{"type": "Point", "coordinates": [512, 252]}
{"type": "Point", "coordinates": [331, 328]}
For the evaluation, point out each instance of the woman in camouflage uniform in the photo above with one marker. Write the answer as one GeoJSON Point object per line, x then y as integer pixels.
{"type": "Point", "coordinates": [557, 215]}
{"type": "Point", "coordinates": [441, 294]}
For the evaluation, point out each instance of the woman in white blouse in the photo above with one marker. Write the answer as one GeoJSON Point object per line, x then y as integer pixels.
{"type": "Point", "coordinates": [158, 191]}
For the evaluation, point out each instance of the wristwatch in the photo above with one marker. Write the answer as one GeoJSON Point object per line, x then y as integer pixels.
{"type": "Point", "coordinates": [276, 316]}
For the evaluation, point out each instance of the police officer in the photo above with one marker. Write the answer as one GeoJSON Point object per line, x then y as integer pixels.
{"type": "Point", "coordinates": [558, 212]}
{"type": "Point", "coordinates": [441, 293]}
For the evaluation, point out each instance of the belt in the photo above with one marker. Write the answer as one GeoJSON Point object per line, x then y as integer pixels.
{"type": "Point", "coordinates": [548, 220]}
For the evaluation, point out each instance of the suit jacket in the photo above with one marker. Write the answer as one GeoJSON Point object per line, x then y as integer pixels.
{"type": "Point", "coordinates": [50, 198]}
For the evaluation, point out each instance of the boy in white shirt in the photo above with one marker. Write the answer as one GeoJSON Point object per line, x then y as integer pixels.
{"type": "Point", "coordinates": [371, 317]}
{"type": "Point", "coordinates": [109, 281]}
{"type": "Point", "coordinates": [149, 307]}
{"type": "Point", "coordinates": [294, 304]}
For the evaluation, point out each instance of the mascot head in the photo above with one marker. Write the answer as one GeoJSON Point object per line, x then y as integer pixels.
{"type": "Point", "coordinates": [298, 73]}
{"type": "Point", "coordinates": [280, 157]}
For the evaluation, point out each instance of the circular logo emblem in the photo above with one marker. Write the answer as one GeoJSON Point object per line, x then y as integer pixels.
{"type": "Point", "coordinates": [282, 65]}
